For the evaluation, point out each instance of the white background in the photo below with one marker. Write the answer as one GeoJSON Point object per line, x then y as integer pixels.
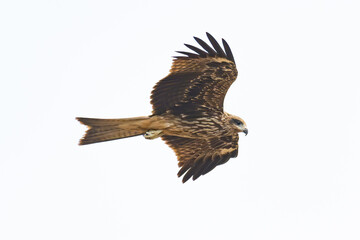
{"type": "Point", "coordinates": [297, 173]}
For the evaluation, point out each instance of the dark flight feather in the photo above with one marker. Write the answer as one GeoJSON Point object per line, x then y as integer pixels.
{"type": "Point", "coordinates": [228, 51]}
{"type": "Point", "coordinates": [211, 166]}
{"type": "Point", "coordinates": [216, 45]}
{"type": "Point", "coordinates": [191, 55]}
{"type": "Point", "coordinates": [183, 170]}
{"type": "Point", "coordinates": [200, 170]}
{"type": "Point", "coordinates": [197, 50]}
{"type": "Point", "coordinates": [210, 51]}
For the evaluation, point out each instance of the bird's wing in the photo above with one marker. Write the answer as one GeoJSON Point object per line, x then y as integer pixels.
{"type": "Point", "coordinates": [199, 156]}
{"type": "Point", "coordinates": [197, 81]}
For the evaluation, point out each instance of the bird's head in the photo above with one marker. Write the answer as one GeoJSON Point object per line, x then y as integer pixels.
{"type": "Point", "coordinates": [238, 124]}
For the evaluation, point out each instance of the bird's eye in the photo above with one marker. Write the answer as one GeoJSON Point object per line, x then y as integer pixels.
{"type": "Point", "coordinates": [237, 122]}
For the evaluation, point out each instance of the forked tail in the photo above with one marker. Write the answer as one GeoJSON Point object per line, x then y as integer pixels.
{"type": "Point", "coordinates": [101, 130]}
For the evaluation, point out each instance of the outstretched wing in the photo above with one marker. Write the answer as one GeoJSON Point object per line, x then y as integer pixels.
{"type": "Point", "coordinates": [198, 81]}
{"type": "Point", "coordinates": [199, 156]}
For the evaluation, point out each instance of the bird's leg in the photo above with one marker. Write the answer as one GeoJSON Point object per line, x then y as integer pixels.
{"type": "Point", "coordinates": [152, 134]}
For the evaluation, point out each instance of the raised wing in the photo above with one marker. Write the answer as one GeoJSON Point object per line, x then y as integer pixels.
{"type": "Point", "coordinates": [198, 81]}
{"type": "Point", "coordinates": [199, 156]}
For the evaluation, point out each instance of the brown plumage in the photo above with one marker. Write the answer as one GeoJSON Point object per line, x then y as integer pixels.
{"type": "Point", "coordinates": [187, 112]}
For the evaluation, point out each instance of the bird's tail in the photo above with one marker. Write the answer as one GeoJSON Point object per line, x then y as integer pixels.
{"type": "Point", "coordinates": [101, 130]}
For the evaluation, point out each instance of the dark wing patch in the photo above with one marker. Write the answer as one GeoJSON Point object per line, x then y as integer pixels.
{"type": "Point", "coordinates": [200, 79]}
{"type": "Point", "coordinates": [199, 156]}
{"type": "Point", "coordinates": [166, 95]}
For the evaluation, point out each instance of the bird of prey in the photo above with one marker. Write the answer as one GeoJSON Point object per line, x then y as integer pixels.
{"type": "Point", "coordinates": [187, 111]}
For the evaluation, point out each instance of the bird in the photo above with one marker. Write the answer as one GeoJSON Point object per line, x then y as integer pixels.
{"type": "Point", "coordinates": [187, 111]}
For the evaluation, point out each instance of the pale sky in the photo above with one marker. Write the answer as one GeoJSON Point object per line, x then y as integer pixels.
{"type": "Point", "coordinates": [298, 89]}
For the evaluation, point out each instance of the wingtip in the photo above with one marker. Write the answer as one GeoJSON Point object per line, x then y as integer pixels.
{"type": "Point", "coordinates": [184, 180]}
{"type": "Point", "coordinates": [209, 35]}
{"type": "Point", "coordinates": [81, 120]}
{"type": "Point", "coordinates": [188, 175]}
{"type": "Point", "coordinates": [228, 50]}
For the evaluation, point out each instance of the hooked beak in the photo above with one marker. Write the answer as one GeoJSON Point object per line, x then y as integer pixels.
{"type": "Point", "coordinates": [246, 131]}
